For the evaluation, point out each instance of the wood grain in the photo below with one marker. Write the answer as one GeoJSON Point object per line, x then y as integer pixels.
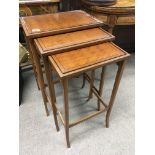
{"type": "Point", "coordinates": [80, 58]}
{"type": "Point", "coordinates": [57, 23]}
{"type": "Point", "coordinates": [54, 44]}
{"type": "Point", "coordinates": [122, 7]}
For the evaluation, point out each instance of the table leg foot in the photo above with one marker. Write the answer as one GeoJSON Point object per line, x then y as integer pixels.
{"type": "Point", "coordinates": [66, 109]}
{"type": "Point", "coordinates": [114, 91]}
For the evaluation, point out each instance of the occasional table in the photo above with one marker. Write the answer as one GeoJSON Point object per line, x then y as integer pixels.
{"type": "Point", "coordinates": [52, 24]}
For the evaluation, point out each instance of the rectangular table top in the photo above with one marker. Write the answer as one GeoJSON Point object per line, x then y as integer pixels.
{"type": "Point", "coordinates": [73, 40]}
{"type": "Point", "coordinates": [74, 61]}
{"type": "Point", "coordinates": [49, 24]}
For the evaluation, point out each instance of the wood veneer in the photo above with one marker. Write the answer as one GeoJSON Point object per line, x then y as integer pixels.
{"type": "Point", "coordinates": [59, 43]}
{"type": "Point", "coordinates": [75, 60]}
{"type": "Point", "coordinates": [57, 23]}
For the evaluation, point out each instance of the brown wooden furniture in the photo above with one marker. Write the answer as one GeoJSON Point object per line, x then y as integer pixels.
{"type": "Point", "coordinates": [36, 7]}
{"type": "Point", "coordinates": [52, 24]}
{"type": "Point", "coordinates": [70, 41]}
{"type": "Point", "coordinates": [57, 23]}
{"type": "Point", "coordinates": [119, 19]}
{"type": "Point", "coordinates": [73, 40]}
{"type": "Point", "coordinates": [75, 47]}
{"type": "Point", "coordinates": [122, 13]}
{"type": "Point", "coordinates": [72, 63]}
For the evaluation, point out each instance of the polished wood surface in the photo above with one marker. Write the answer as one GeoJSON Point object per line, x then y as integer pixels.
{"type": "Point", "coordinates": [76, 59]}
{"type": "Point", "coordinates": [58, 43]}
{"type": "Point", "coordinates": [43, 25]}
{"type": "Point", "coordinates": [121, 7]}
{"type": "Point", "coordinates": [122, 13]}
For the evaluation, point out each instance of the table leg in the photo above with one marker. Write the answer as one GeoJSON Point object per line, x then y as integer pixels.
{"type": "Point", "coordinates": [33, 65]}
{"type": "Point", "coordinates": [84, 81]}
{"type": "Point", "coordinates": [115, 88]}
{"type": "Point", "coordinates": [91, 84]}
{"type": "Point", "coordinates": [39, 73]}
{"type": "Point", "coordinates": [66, 109]}
{"type": "Point", "coordinates": [51, 90]}
{"type": "Point", "coordinates": [101, 85]}
{"type": "Point", "coordinates": [112, 21]}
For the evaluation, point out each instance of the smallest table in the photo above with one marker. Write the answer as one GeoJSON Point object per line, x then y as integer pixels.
{"type": "Point", "coordinates": [72, 63]}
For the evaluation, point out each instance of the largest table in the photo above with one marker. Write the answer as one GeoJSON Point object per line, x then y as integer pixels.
{"type": "Point", "coordinates": [52, 24]}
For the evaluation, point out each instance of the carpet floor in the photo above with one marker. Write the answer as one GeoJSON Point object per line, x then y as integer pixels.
{"type": "Point", "coordinates": [37, 133]}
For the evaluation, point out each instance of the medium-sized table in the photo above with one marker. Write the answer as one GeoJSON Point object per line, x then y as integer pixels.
{"type": "Point", "coordinates": [68, 41]}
